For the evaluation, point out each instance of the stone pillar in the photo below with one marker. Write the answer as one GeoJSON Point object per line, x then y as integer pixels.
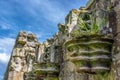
{"type": "Point", "coordinates": [114, 19]}
{"type": "Point", "coordinates": [23, 56]}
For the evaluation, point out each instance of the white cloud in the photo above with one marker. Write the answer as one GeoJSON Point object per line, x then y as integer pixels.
{"type": "Point", "coordinates": [1, 77]}
{"type": "Point", "coordinates": [54, 10]}
{"type": "Point", "coordinates": [50, 10]}
{"type": "Point", "coordinates": [5, 26]}
{"type": "Point", "coordinates": [4, 57]}
{"type": "Point", "coordinates": [6, 45]}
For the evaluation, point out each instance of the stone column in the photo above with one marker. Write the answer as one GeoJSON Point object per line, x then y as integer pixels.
{"type": "Point", "coordinates": [114, 19]}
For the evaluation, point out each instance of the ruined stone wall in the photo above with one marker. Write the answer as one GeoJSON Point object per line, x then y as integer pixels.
{"type": "Point", "coordinates": [86, 47]}
{"type": "Point", "coordinates": [115, 24]}
{"type": "Point", "coordinates": [22, 57]}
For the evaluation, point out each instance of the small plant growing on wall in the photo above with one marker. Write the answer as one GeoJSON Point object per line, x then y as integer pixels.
{"type": "Point", "coordinates": [89, 45]}
{"type": "Point", "coordinates": [87, 25]}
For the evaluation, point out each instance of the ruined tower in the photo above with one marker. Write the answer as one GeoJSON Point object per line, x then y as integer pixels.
{"type": "Point", "coordinates": [86, 47]}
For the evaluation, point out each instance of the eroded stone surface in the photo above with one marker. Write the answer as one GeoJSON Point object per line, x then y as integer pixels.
{"type": "Point", "coordinates": [54, 59]}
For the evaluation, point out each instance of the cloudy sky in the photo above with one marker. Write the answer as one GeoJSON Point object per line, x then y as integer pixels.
{"type": "Point", "coordinates": [38, 16]}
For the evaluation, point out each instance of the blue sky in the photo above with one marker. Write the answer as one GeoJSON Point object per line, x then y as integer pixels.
{"type": "Point", "coordinates": [38, 16]}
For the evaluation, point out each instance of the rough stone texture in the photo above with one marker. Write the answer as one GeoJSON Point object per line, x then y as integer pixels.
{"type": "Point", "coordinates": [115, 24]}
{"type": "Point", "coordinates": [116, 56]}
{"type": "Point", "coordinates": [61, 58]}
{"type": "Point", "coordinates": [23, 56]}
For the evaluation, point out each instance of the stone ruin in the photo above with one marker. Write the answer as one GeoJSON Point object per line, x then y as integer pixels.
{"type": "Point", "coordinates": [86, 47]}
